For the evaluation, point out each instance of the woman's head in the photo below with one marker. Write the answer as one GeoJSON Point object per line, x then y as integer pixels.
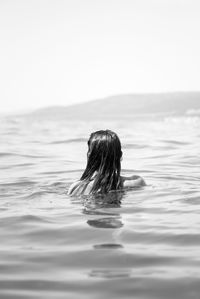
{"type": "Point", "coordinates": [103, 161]}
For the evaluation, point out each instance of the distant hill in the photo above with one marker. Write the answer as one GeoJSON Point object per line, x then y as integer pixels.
{"type": "Point", "coordinates": [129, 105]}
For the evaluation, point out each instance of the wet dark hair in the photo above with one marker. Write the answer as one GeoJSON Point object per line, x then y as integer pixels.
{"type": "Point", "coordinates": [103, 162]}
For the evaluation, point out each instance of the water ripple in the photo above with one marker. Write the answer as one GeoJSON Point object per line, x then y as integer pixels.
{"type": "Point", "coordinates": [140, 243]}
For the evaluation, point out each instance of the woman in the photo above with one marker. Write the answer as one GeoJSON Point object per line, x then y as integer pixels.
{"type": "Point", "coordinates": [102, 173]}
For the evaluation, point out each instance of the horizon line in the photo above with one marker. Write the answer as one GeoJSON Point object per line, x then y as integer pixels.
{"type": "Point", "coordinates": [29, 110]}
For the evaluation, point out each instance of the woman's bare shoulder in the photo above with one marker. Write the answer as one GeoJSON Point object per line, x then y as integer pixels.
{"type": "Point", "coordinates": [132, 181]}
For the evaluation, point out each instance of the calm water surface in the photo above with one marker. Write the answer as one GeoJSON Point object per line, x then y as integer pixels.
{"type": "Point", "coordinates": [142, 243]}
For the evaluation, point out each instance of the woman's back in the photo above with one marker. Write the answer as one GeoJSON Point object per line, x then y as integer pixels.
{"type": "Point", "coordinates": [84, 188]}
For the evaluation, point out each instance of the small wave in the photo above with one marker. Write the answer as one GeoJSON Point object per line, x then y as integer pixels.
{"type": "Point", "coordinates": [7, 154]}
{"type": "Point", "coordinates": [192, 119]}
{"type": "Point", "coordinates": [53, 172]}
{"type": "Point", "coordinates": [134, 146]}
{"type": "Point", "coordinates": [36, 194]}
{"type": "Point", "coordinates": [22, 219]}
{"type": "Point", "coordinates": [66, 141]}
{"type": "Point", "coordinates": [168, 238]}
{"type": "Point", "coordinates": [17, 165]}
{"type": "Point", "coordinates": [176, 142]}
{"type": "Point", "coordinates": [193, 112]}
{"type": "Point", "coordinates": [18, 184]}
{"type": "Point", "coordinates": [74, 170]}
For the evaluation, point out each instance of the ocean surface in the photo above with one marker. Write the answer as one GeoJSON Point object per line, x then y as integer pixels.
{"type": "Point", "coordinates": [141, 243]}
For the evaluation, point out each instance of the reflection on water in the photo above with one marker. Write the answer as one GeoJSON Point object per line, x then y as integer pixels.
{"type": "Point", "coordinates": [113, 199]}
{"type": "Point", "coordinates": [112, 273]}
{"type": "Point", "coordinates": [99, 204]}
{"type": "Point", "coordinates": [108, 246]}
{"type": "Point", "coordinates": [105, 223]}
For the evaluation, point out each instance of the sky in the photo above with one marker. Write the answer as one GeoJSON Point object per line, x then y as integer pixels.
{"type": "Point", "coordinates": [62, 52]}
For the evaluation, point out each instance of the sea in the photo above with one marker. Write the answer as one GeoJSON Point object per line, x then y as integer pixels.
{"type": "Point", "coordinates": [141, 243]}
